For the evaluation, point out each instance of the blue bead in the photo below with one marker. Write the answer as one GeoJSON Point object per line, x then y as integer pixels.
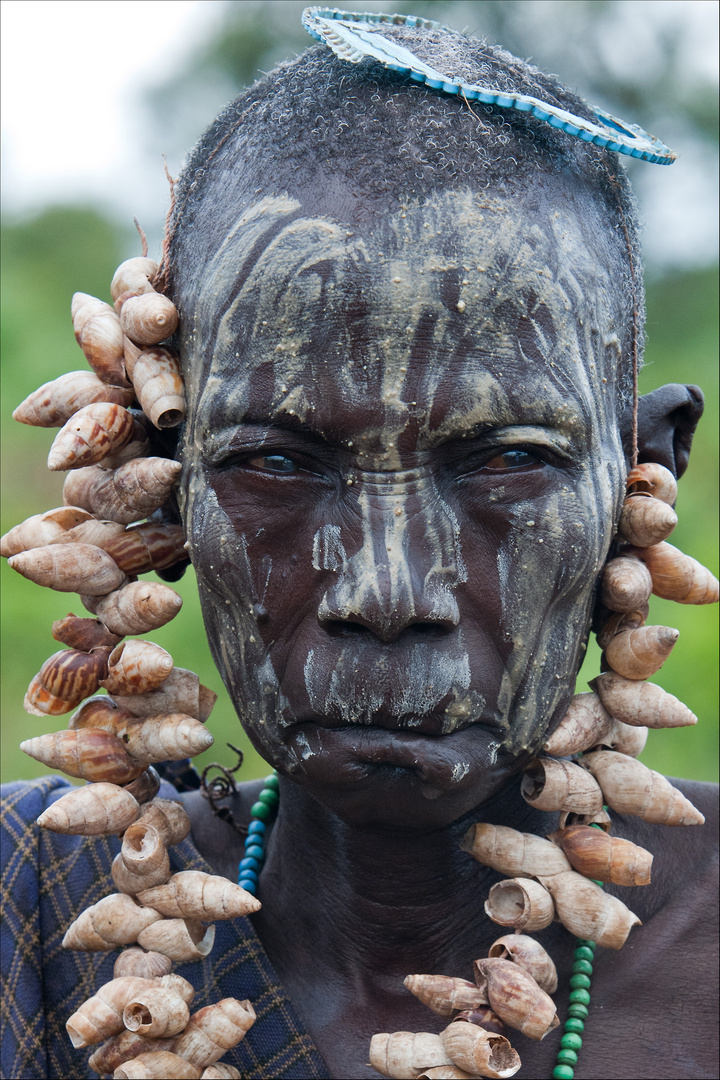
{"type": "Point", "coordinates": [250, 864]}
{"type": "Point", "coordinates": [247, 875]}
{"type": "Point", "coordinates": [505, 101]}
{"type": "Point", "coordinates": [249, 885]}
{"type": "Point", "coordinates": [256, 827]}
{"type": "Point", "coordinates": [451, 88]}
{"type": "Point", "coordinates": [254, 851]}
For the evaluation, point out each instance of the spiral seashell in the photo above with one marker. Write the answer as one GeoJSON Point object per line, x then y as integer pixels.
{"type": "Point", "coordinates": [213, 1030]}
{"type": "Point", "coordinates": [53, 403]}
{"type": "Point", "coordinates": [142, 965]}
{"type": "Point", "coordinates": [530, 956]}
{"type": "Point", "coordinates": [583, 725]}
{"type": "Point", "coordinates": [516, 997]}
{"type": "Point", "coordinates": [69, 567]}
{"type": "Point", "coordinates": [444, 994]}
{"type": "Point", "coordinates": [181, 692]}
{"type": "Point", "coordinates": [626, 584]}
{"type": "Point", "coordinates": [676, 576]}
{"type": "Point", "coordinates": [145, 787]}
{"type": "Point", "coordinates": [597, 855]}
{"type": "Point", "coordinates": [631, 788]}
{"type": "Point", "coordinates": [136, 608]}
{"type": "Point", "coordinates": [559, 785]}
{"type": "Point", "coordinates": [442, 1072]}
{"type": "Point", "coordinates": [192, 894]}
{"type": "Point", "coordinates": [157, 1065]}
{"type": "Point", "coordinates": [114, 920]}
{"type": "Point", "coordinates": [480, 1052]}
{"type": "Point", "coordinates": [101, 1015]}
{"type": "Point", "coordinates": [645, 521]}
{"type": "Point", "coordinates": [652, 479]}
{"type": "Point", "coordinates": [90, 435]}
{"type": "Point", "coordinates": [99, 335]}
{"type": "Point", "coordinates": [180, 939]}
{"type": "Point", "coordinates": [602, 819]}
{"type": "Point", "coordinates": [41, 529]}
{"type": "Point", "coordinates": [169, 818]}
{"type": "Point", "coordinates": [142, 862]}
{"type": "Point", "coordinates": [133, 491]}
{"type": "Point", "coordinates": [150, 546]}
{"type": "Point", "coordinates": [102, 712]}
{"type": "Point", "coordinates": [91, 811]}
{"type": "Point", "coordinates": [157, 1012]}
{"type": "Point", "coordinates": [625, 739]}
{"type": "Point", "coordinates": [148, 319]}
{"type": "Point", "coordinates": [159, 387]}
{"type": "Point", "coordinates": [512, 852]}
{"type": "Point", "coordinates": [220, 1071]}
{"type": "Point", "coordinates": [90, 755]}
{"type": "Point", "coordinates": [135, 666]}
{"type": "Point", "coordinates": [83, 634]}
{"type": "Point", "coordinates": [405, 1053]}
{"type": "Point", "coordinates": [166, 738]}
{"type": "Point", "coordinates": [641, 703]}
{"type": "Point", "coordinates": [521, 903]}
{"type": "Point", "coordinates": [138, 446]}
{"type": "Point", "coordinates": [123, 1047]}
{"type": "Point", "coordinates": [589, 912]}
{"type": "Point", "coordinates": [638, 654]}
{"type": "Point", "coordinates": [621, 620]}
{"type": "Point", "coordinates": [93, 531]}
{"type": "Point", "coordinates": [64, 680]}
{"type": "Point", "coordinates": [133, 276]}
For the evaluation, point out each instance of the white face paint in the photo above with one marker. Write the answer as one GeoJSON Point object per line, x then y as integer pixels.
{"type": "Point", "coordinates": [402, 468]}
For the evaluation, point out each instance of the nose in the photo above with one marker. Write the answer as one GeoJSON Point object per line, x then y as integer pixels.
{"type": "Point", "coordinates": [403, 574]}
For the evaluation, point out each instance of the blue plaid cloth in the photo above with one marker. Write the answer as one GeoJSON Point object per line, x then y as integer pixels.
{"type": "Point", "coordinates": [47, 880]}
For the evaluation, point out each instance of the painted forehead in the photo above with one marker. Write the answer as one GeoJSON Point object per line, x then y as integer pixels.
{"type": "Point", "coordinates": [511, 308]}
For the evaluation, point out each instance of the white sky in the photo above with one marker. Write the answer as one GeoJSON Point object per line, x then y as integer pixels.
{"type": "Point", "coordinates": [73, 73]}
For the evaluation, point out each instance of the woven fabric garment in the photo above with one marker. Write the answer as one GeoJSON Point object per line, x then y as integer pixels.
{"type": "Point", "coordinates": [47, 880]}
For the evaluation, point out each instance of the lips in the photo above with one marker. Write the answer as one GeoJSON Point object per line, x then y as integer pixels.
{"type": "Point", "coordinates": [433, 724]}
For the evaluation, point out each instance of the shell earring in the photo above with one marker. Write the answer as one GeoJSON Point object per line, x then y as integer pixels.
{"type": "Point", "coordinates": [139, 1023]}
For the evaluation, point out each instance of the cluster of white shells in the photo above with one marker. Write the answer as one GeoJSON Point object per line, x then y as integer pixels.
{"type": "Point", "coordinates": [96, 544]}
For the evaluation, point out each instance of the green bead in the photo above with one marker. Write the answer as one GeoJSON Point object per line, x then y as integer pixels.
{"type": "Point", "coordinates": [271, 782]}
{"type": "Point", "coordinates": [582, 967]}
{"type": "Point", "coordinates": [563, 1072]}
{"type": "Point", "coordinates": [270, 797]}
{"type": "Point", "coordinates": [580, 996]}
{"type": "Point", "coordinates": [583, 953]}
{"type": "Point", "coordinates": [578, 1011]}
{"type": "Point", "coordinates": [575, 1024]}
{"type": "Point", "coordinates": [585, 943]}
{"type": "Point", "coordinates": [580, 982]}
{"type": "Point", "coordinates": [261, 810]}
{"type": "Point", "coordinates": [571, 1041]}
{"type": "Point", "coordinates": [567, 1057]}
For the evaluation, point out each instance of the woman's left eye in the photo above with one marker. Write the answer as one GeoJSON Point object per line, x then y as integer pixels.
{"type": "Point", "coordinates": [275, 463]}
{"type": "Point", "coordinates": [512, 459]}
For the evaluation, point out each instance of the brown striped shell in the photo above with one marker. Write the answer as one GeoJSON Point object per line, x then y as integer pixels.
{"type": "Point", "coordinates": [64, 680]}
{"type": "Point", "coordinates": [53, 403]}
{"type": "Point", "coordinates": [90, 754]}
{"type": "Point", "coordinates": [69, 568]}
{"type": "Point", "coordinates": [159, 387]}
{"type": "Point", "coordinates": [99, 335]}
{"type": "Point", "coordinates": [150, 546]}
{"type": "Point", "coordinates": [91, 434]}
{"type": "Point", "coordinates": [135, 490]}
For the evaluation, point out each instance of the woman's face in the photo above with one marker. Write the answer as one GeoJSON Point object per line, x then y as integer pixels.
{"type": "Point", "coordinates": [401, 473]}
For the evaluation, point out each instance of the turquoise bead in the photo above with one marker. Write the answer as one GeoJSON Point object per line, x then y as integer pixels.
{"type": "Point", "coordinates": [254, 851]}
{"type": "Point", "coordinates": [249, 885]}
{"type": "Point", "coordinates": [578, 1011]}
{"type": "Point", "coordinates": [256, 827]}
{"type": "Point", "coordinates": [250, 864]}
{"type": "Point", "coordinates": [261, 810]}
{"type": "Point", "coordinates": [580, 982]}
{"type": "Point", "coordinates": [567, 1057]}
{"type": "Point", "coordinates": [269, 797]}
{"type": "Point", "coordinates": [563, 1072]}
{"type": "Point", "coordinates": [580, 996]}
{"type": "Point", "coordinates": [575, 1024]}
{"type": "Point", "coordinates": [571, 1041]}
{"type": "Point", "coordinates": [583, 953]}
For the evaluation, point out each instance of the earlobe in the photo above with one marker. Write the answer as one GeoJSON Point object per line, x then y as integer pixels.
{"type": "Point", "coordinates": [667, 418]}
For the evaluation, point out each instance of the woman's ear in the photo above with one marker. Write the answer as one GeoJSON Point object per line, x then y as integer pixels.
{"type": "Point", "coordinates": [667, 418]}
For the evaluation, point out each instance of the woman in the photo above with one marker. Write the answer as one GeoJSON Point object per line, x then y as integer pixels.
{"type": "Point", "coordinates": [409, 328]}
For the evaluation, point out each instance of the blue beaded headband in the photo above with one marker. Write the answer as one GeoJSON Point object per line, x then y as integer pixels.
{"type": "Point", "coordinates": [353, 36]}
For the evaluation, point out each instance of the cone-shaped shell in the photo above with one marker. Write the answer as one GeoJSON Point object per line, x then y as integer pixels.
{"type": "Point", "coordinates": [138, 607]}
{"type": "Point", "coordinates": [94, 531]}
{"type": "Point", "coordinates": [480, 1052]}
{"type": "Point", "coordinates": [180, 939]}
{"type": "Point", "coordinates": [148, 319]}
{"type": "Point", "coordinates": [41, 529]}
{"type": "Point", "coordinates": [90, 754]}
{"type": "Point", "coordinates": [214, 1030]}
{"type": "Point", "coordinates": [621, 620]}
{"type": "Point", "coordinates": [141, 965]}
{"type": "Point", "coordinates": [134, 667]}
{"type": "Point", "coordinates": [602, 857]}
{"type": "Point", "coordinates": [626, 584]}
{"type": "Point", "coordinates": [114, 920]}
{"type": "Point", "coordinates": [64, 680]}
{"type": "Point", "coordinates": [516, 997]}
{"type": "Point", "coordinates": [583, 725]}
{"type": "Point", "coordinates": [180, 692]}
{"type": "Point", "coordinates": [102, 712]}
{"type": "Point", "coordinates": [83, 634]}
{"type": "Point", "coordinates": [645, 521]}
{"type": "Point", "coordinates": [90, 435]}
{"type": "Point", "coordinates": [142, 862]}
{"type": "Point", "coordinates": [166, 738]}
{"type": "Point", "coordinates": [123, 1047]}
{"type": "Point", "coordinates": [145, 787]}
{"type": "Point", "coordinates": [101, 1015]}
{"type": "Point", "coordinates": [625, 739]}
{"type": "Point", "coordinates": [159, 387]}
{"type": "Point", "coordinates": [653, 479]}
{"type": "Point", "coordinates": [157, 1065]}
{"type": "Point", "coordinates": [169, 818]}
{"type": "Point", "coordinates": [559, 785]}
{"type": "Point", "coordinates": [52, 404]}
{"type": "Point", "coordinates": [589, 912]}
{"type": "Point", "coordinates": [531, 957]}
{"type": "Point", "coordinates": [406, 1053]}
{"type": "Point", "coordinates": [676, 576]}
{"type": "Point", "coordinates": [70, 568]}
{"type": "Point", "coordinates": [99, 335]}
{"type": "Point", "coordinates": [631, 788]}
{"type": "Point", "coordinates": [444, 994]}
{"type": "Point", "coordinates": [512, 852]}
{"type": "Point", "coordinates": [192, 894]}
{"type": "Point", "coordinates": [91, 811]}
{"type": "Point", "coordinates": [138, 446]}
{"type": "Point", "coordinates": [521, 903]}
{"type": "Point", "coordinates": [638, 654]}
{"type": "Point", "coordinates": [133, 276]}
{"type": "Point", "coordinates": [641, 704]}
{"type": "Point", "coordinates": [133, 491]}
{"type": "Point", "coordinates": [158, 1012]}
{"type": "Point", "coordinates": [220, 1071]}
{"type": "Point", "coordinates": [150, 546]}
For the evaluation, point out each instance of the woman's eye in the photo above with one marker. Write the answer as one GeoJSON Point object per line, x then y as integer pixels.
{"type": "Point", "coordinates": [512, 459]}
{"type": "Point", "coordinates": [275, 463]}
